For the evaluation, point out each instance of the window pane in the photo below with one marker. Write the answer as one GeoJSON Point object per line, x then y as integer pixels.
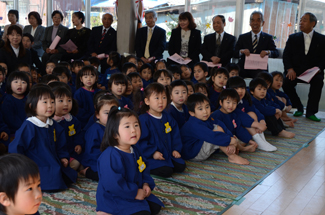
{"type": "Point", "coordinates": [67, 7]}
{"type": "Point", "coordinates": [279, 16]}
{"type": "Point", "coordinates": [100, 7]}
{"type": "Point", "coordinates": [4, 8]}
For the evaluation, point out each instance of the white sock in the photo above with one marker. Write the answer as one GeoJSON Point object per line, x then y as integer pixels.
{"type": "Point", "coordinates": [263, 144]}
{"type": "Point", "coordinates": [263, 136]}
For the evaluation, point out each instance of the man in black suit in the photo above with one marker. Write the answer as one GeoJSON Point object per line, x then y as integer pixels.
{"type": "Point", "coordinates": [102, 40]}
{"type": "Point", "coordinates": [219, 46]}
{"type": "Point", "coordinates": [150, 41]}
{"type": "Point", "coordinates": [254, 42]}
{"type": "Point", "coordinates": [303, 51]}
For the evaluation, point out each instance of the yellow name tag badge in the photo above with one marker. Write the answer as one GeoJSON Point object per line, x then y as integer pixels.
{"type": "Point", "coordinates": [72, 131]}
{"type": "Point", "coordinates": [54, 135]}
{"type": "Point", "coordinates": [142, 165]}
{"type": "Point", "coordinates": [168, 128]}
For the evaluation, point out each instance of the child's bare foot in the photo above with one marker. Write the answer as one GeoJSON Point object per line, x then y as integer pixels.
{"type": "Point", "coordinates": [290, 124]}
{"type": "Point", "coordinates": [83, 172]}
{"type": "Point", "coordinates": [294, 120]}
{"type": "Point", "coordinates": [237, 159]}
{"type": "Point", "coordinates": [286, 134]}
{"type": "Point", "coordinates": [250, 147]}
{"type": "Point", "coordinates": [286, 118]}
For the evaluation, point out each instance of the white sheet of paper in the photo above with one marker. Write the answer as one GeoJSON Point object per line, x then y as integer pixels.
{"type": "Point", "coordinates": [178, 59]}
{"type": "Point", "coordinates": [254, 61]}
{"type": "Point", "coordinates": [210, 64]}
{"type": "Point", "coordinates": [308, 74]}
{"type": "Point", "coordinates": [69, 46]}
{"type": "Point", "coordinates": [103, 55]}
{"type": "Point", "coordinates": [55, 42]}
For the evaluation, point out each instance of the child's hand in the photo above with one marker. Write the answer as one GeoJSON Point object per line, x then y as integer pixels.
{"type": "Point", "coordinates": [78, 149]}
{"type": "Point", "coordinates": [141, 194]}
{"type": "Point", "coordinates": [146, 189]}
{"type": "Point", "coordinates": [263, 122]}
{"type": "Point", "coordinates": [176, 154]}
{"type": "Point", "coordinates": [64, 162]}
{"type": "Point", "coordinates": [4, 136]}
{"type": "Point", "coordinates": [261, 127]}
{"type": "Point", "coordinates": [231, 149]}
{"type": "Point", "coordinates": [233, 141]}
{"type": "Point", "coordinates": [278, 111]}
{"type": "Point", "coordinates": [158, 156]}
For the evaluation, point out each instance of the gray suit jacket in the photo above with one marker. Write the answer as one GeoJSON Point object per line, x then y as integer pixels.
{"type": "Point", "coordinates": [62, 31]}
{"type": "Point", "coordinates": [38, 38]}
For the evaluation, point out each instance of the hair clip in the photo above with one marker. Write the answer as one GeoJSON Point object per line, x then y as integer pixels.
{"type": "Point", "coordinates": [126, 106]}
{"type": "Point", "coordinates": [142, 89]}
{"type": "Point", "coordinates": [119, 108]}
{"type": "Point", "coordinates": [105, 94]}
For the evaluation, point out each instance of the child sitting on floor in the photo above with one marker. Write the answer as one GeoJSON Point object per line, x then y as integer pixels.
{"type": "Point", "coordinates": [177, 108]}
{"type": "Point", "coordinates": [233, 69]}
{"type": "Point", "coordinates": [258, 90]}
{"type": "Point", "coordinates": [216, 83]}
{"type": "Point", "coordinates": [117, 84]}
{"type": "Point", "coordinates": [203, 135]}
{"type": "Point", "coordinates": [146, 72]}
{"type": "Point", "coordinates": [125, 183]}
{"type": "Point", "coordinates": [20, 190]}
{"type": "Point", "coordinates": [201, 72]}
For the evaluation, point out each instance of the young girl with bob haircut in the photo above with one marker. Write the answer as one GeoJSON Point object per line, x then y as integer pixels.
{"type": "Point", "coordinates": [121, 164]}
{"type": "Point", "coordinates": [160, 141]}
{"type": "Point", "coordinates": [43, 140]}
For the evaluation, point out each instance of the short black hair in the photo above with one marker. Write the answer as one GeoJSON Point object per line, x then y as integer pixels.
{"type": "Point", "coordinates": [267, 77]}
{"type": "Point", "coordinates": [117, 78]}
{"type": "Point", "coordinates": [36, 93]}
{"type": "Point", "coordinates": [14, 76]}
{"type": "Point", "coordinates": [255, 82]}
{"type": "Point", "coordinates": [2, 71]}
{"type": "Point", "coordinates": [195, 99]}
{"type": "Point", "coordinates": [221, 17]}
{"type": "Point", "coordinates": [94, 61]}
{"type": "Point", "coordinates": [31, 38]}
{"type": "Point", "coordinates": [228, 93]}
{"type": "Point", "coordinates": [112, 126]}
{"type": "Point", "coordinates": [312, 18]}
{"type": "Point", "coordinates": [64, 63]}
{"type": "Point", "coordinates": [146, 66]}
{"type": "Point", "coordinates": [100, 94]}
{"type": "Point", "coordinates": [59, 70]}
{"type": "Point", "coordinates": [198, 86]}
{"type": "Point", "coordinates": [232, 66]}
{"type": "Point", "coordinates": [105, 99]}
{"type": "Point", "coordinates": [133, 75]}
{"type": "Point", "coordinates": [15, 168]}
{"type": "Point", "coordinates": [47, 78]}
{"type": "Point", "coordinates": [15, 12]}
{"type": "Point", "coordinates": [177, 83]}
{"type": "Point", "coordinates": [202, 65]}
{"type": "Point", "coordinates": [173, 68]}
{"type": "Point", "coordinates": [20, 65]}
{"type": "Point", "coordinates": [57, 12]}
{"type": "Point", "coordinates": [66, 91]}
{"type": "Point", "coordinates": [149, 90]}
{"type": "Point", "coordinates": [80, 15]}
{"type": "Point", "coordinates": [215, 71]}
{"type": "Point", "coordinates": [126, 66]}
{"type": "Point", "coordinates": [115, 57]}
{"type": "Point", "coordinates": [277, 73]}
{"type": "Point", "coordinates": [86, 70]}
{"type": "Point", "coordinates": [238, 82]}
{"type": "Point", "coordinates": [77, 63]}
{"type": "Point", "coordinates": [189, 83]}
{"type": "Point", "coordinates": [158, 73]}
{"type": "Point", "coordinates": [37, 17]}
{"type": "Point", "coordinates": [50, 61]}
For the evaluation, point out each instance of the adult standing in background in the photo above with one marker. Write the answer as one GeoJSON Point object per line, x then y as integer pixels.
{"type": "Point", "coordinates": [79, 36]}
{"type": "Point", "coordinates": [303, 51]}
{"type": "Point", "coordinates": [13, 53]}
{"type": "Point", "coordinates": [102, 40]}
{"type": "Point", "coordinates": [13, 17]}
{"type": "Point", "coordinates": [185, 40]}
{"type": "Point", "coordinates": [36, 30]}
{"type": "Point", "coordinates": [219, 46]}
{"type": "Point", "coordinates": [150, 41]}
{"type": "Point", "coordinates": [254, 42]}
{"type": "Point", "coordinates": [57, 29]}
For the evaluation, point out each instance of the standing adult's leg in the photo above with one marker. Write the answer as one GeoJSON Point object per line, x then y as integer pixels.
{"type": "Point", "coordinates": [289, 88]}
{"type": "Point", "coordinates": [314, 95]}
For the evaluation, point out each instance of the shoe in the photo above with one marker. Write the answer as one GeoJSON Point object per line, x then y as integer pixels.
{"type": "Point", "coordinates": [298, 113]}
{"type": "Point", "coordinates": [314, 118]}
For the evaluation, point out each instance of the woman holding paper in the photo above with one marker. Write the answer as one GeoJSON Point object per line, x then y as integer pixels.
{"type": "Point", "coordinates": [79, 36]}
{"type": "Point", "coordinates": [185, 40]}
{"type": "Point", "coordinates": [36, 30]}
{"type": "Point", "coordinates": [13, 53]}
{"type": "Point", "coordinates": [52, 39]}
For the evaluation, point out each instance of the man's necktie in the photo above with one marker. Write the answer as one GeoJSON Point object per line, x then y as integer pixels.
{"type": "Point", "coordinates": [146, 52]}
{"type": "Point", "coordinates": [217, 52]}
{"type": "Point", "coordinates": [255, 44]}
{"type": "Point", "coordinates": [103, 35]}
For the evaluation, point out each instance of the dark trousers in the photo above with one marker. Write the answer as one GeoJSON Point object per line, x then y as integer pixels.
{"type": "Point", "coordinates": [92, 175]}
{"type": "Point", "coordinates": [246, 73]}
{"type": "Point", "coordinates": [274, 125]}
{"type": "Point", "coordinates": [154, 209]}
{"type": "Point", "coordinates": [167, 171]}
{"type": "Point", "coordinates": [314, 95]}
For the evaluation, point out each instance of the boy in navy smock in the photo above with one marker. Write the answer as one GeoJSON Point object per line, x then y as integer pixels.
{"type": "Point", "coordinates": [237, 124]}
{"type": "Point", "coordinates": [258, 90]}
{"type": "Point", "coordinates": [177, 108]}
{"type": "Point", "coordinates": [202, 135]}
{"type": "Point", "coordinates": [216, 83]}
